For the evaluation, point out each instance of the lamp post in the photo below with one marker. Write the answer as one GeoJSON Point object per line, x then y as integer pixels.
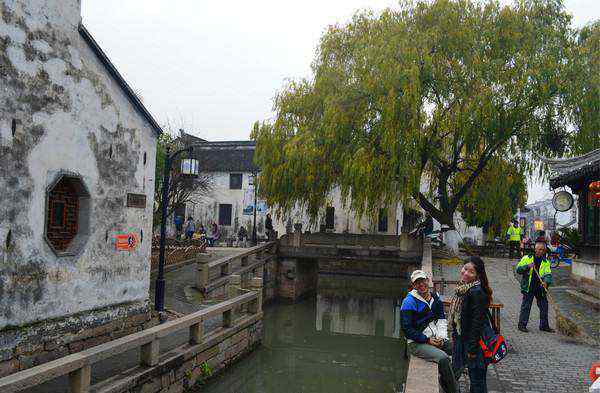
{"type": "Point", "coordinates": [190, 169]}
{"type": "Point", "coordinates": [254, 239]}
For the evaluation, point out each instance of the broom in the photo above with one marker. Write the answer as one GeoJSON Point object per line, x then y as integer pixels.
{"type": "Point", "coordinates": [563, 324]}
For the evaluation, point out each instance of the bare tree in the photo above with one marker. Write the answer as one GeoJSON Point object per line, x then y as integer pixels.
{"type": "Point", "coordinates": [182, 188]}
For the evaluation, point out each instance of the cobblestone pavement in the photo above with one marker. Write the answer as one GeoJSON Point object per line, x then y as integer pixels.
{"type": "Point", "coordinates": [538, 362]}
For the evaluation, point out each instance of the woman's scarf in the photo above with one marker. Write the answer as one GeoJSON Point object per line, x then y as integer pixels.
{"type": "Point", "coordinates": [456, 303]}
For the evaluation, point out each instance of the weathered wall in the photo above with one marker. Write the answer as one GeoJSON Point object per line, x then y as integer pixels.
{"type": "Point", "coordinates": [585, 274]}
{"type": "Point", "coordinates": [71, 115]}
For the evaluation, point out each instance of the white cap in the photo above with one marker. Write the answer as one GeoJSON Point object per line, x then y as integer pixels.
{"type": "Point", "coordinates": [417, 274]}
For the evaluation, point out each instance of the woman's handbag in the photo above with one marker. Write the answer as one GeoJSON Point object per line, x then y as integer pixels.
{"type": "Point", "coordinates": [492, 344]}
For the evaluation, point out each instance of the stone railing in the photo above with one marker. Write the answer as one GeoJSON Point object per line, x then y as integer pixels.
{"type": "Point", "coordinates": [404, 242]}
{"type": "Point", "coordinates": [151, 363]}
{"type": "Point", "coordinates": [216, 275]}
{"type": "Point", "coordinates": [422, 377]}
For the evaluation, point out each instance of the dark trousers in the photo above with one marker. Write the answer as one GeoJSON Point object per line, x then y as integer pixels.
{"type": "Point", "coordinates": [476, 366]}
{"type": "Point", "coordinates": [514, 249]}
{"type": "Point", "coordinates": [542, 303]}
{"type": "Point", "coordinates": [477, 374]}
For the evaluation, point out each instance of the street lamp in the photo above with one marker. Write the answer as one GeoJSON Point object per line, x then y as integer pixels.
{"type": "Point", "coordinates": [255, 185]}
{"type": "Point", "coordinates": [188, 167]}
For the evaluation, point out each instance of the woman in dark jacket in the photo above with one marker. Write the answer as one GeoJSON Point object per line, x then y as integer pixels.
{"type": "Point", "coordinates": [468, 316]}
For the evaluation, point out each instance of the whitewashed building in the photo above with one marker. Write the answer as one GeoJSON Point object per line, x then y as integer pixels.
{"type": "Point", "coordinates": [230, 204]}
{"type": "Point", "coordinates": [77, 158]}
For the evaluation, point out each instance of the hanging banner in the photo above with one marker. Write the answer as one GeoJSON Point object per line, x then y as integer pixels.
{"type": "Point", "coordinates": [249, 203]}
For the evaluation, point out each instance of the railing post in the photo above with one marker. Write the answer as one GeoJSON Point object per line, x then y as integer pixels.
{"type": "Point", "coordinates": [197, 333]}
{"type": "Point", "coordinates": [227, 319]}
{"type": "Point", "coordinates": [80, 379]}
{"type": "Point", "coordinates": [258, 271]}
{"type": "Point", "coordinates": [256, 284]}
{"type": "Point", "coordinates": [203, 274]}
{"type": "Point", "coordinates": [224, 269]}
{"type": "Point", "coordinates": [149, 353]}
{"type": "Point", "coordinates": [235, 281]}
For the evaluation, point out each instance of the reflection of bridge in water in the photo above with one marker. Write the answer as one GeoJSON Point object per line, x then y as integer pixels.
{"type": "Point", "coordinates": [345, 338]}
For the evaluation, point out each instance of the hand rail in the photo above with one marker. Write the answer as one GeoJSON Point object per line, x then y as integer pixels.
{"type": "Point", "coordinates": [245, 253]}
{"type": "Point", "coordinates": [78, 365]}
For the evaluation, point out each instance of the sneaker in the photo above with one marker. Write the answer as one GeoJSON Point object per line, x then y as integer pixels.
{"type": "Point", "coordinates": [547, 329]}
{"type": "Point", "coordinates": [523, 329]}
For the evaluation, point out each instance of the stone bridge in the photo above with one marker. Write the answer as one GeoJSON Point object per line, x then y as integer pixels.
{"type": "Point", "coordinates": [302, 257]}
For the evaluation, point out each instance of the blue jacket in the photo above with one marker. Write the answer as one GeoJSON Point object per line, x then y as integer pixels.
{"type": "Point", "coordinates": [420, 321]}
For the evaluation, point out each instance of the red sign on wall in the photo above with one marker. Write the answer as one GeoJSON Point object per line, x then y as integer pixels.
{"type": "Point", "coordinates": [125, 242]}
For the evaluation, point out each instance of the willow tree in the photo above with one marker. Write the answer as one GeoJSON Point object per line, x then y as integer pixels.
{"type": "Point", "coordinates": [584, 97]}
{"type": "Point", "coordinates": [416, 103]}
{"type": "Point", "coordinates": [495, 196]}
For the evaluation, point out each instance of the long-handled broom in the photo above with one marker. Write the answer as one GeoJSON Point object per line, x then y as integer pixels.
{"type": "Point", "coordinates": [564, 325]}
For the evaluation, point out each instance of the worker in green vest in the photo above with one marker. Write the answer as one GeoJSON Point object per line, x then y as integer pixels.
{"type": "Point", "coordinates": [536, 277]}
{"type": "Point", "coordinates": [513, 236]}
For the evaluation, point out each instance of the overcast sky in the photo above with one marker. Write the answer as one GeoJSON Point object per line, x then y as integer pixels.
{"type": "Point", "coordinates": [215, 66]}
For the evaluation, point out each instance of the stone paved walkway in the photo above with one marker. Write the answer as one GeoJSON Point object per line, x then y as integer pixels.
{"type": "Point", "coordinates": [538, 362]}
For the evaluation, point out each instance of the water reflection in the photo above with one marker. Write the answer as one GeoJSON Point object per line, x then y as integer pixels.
{"type": "Point", "coordinates": [343, 339]}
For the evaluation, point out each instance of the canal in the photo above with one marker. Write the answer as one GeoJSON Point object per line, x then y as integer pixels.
{"type": "Point", "coordinates": [346, 337]}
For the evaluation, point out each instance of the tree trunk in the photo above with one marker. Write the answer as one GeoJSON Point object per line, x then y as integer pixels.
{"type": "Point", "coordinates": [443, 217]}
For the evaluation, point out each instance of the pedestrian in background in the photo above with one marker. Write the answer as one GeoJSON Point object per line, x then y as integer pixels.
{"type": "Point", "coordinates": [178, 226]}
{"type": "Point", "coordinates": [513, 234]}
{"type": "Point", "coordinates": [468, 316]}
{"type": "Point", "coordinates": [190, 228]}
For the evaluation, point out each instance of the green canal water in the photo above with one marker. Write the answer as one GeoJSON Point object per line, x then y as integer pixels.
{"type": "Point", "coordinates": [344, 338]}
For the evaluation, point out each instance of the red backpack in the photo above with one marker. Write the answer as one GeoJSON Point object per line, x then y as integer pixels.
{"type": "Point", "coordinates": [493, 344]}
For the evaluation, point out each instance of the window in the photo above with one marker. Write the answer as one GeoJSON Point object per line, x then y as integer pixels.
{"type": "Point", "coordinates": [67, 215]}
{"type": "Point", "coordinates": [329, 217]}
{"type": "Point", "coordinates": [235, 181]}
{"type": "Point", "coordinates": [383, 221]}
{"type": "Point", "coordinates": [225, 214]}
{"type": "Point", "coordinates": [58, 219]}
{"type": "Point", "coordinates": [410, 219]}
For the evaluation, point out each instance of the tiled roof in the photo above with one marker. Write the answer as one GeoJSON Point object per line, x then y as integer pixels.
{"type": "Point", "coordinates": [222, 156]}
{"type": "Point", "coordinates": [565, 170]}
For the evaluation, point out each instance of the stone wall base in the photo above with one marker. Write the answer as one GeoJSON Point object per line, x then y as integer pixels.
{"type": "Point", "coordinates": [28, 346]}
{"type": "Point", "coordinates": [296, 278]}
{"type": "Point", "coordinates": [367, 268]}
{"type": "Point", "coordinates": [184, 367]}
{"type": "Point", "coordinates": [586, 285]}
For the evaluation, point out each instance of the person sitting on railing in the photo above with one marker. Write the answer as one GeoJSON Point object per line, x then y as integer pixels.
{"type": "Point", "coordinates": [426, 329]}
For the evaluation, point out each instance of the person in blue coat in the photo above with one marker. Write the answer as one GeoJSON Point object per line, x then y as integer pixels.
{"type": "Point", "coordinates": [426, 328]}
